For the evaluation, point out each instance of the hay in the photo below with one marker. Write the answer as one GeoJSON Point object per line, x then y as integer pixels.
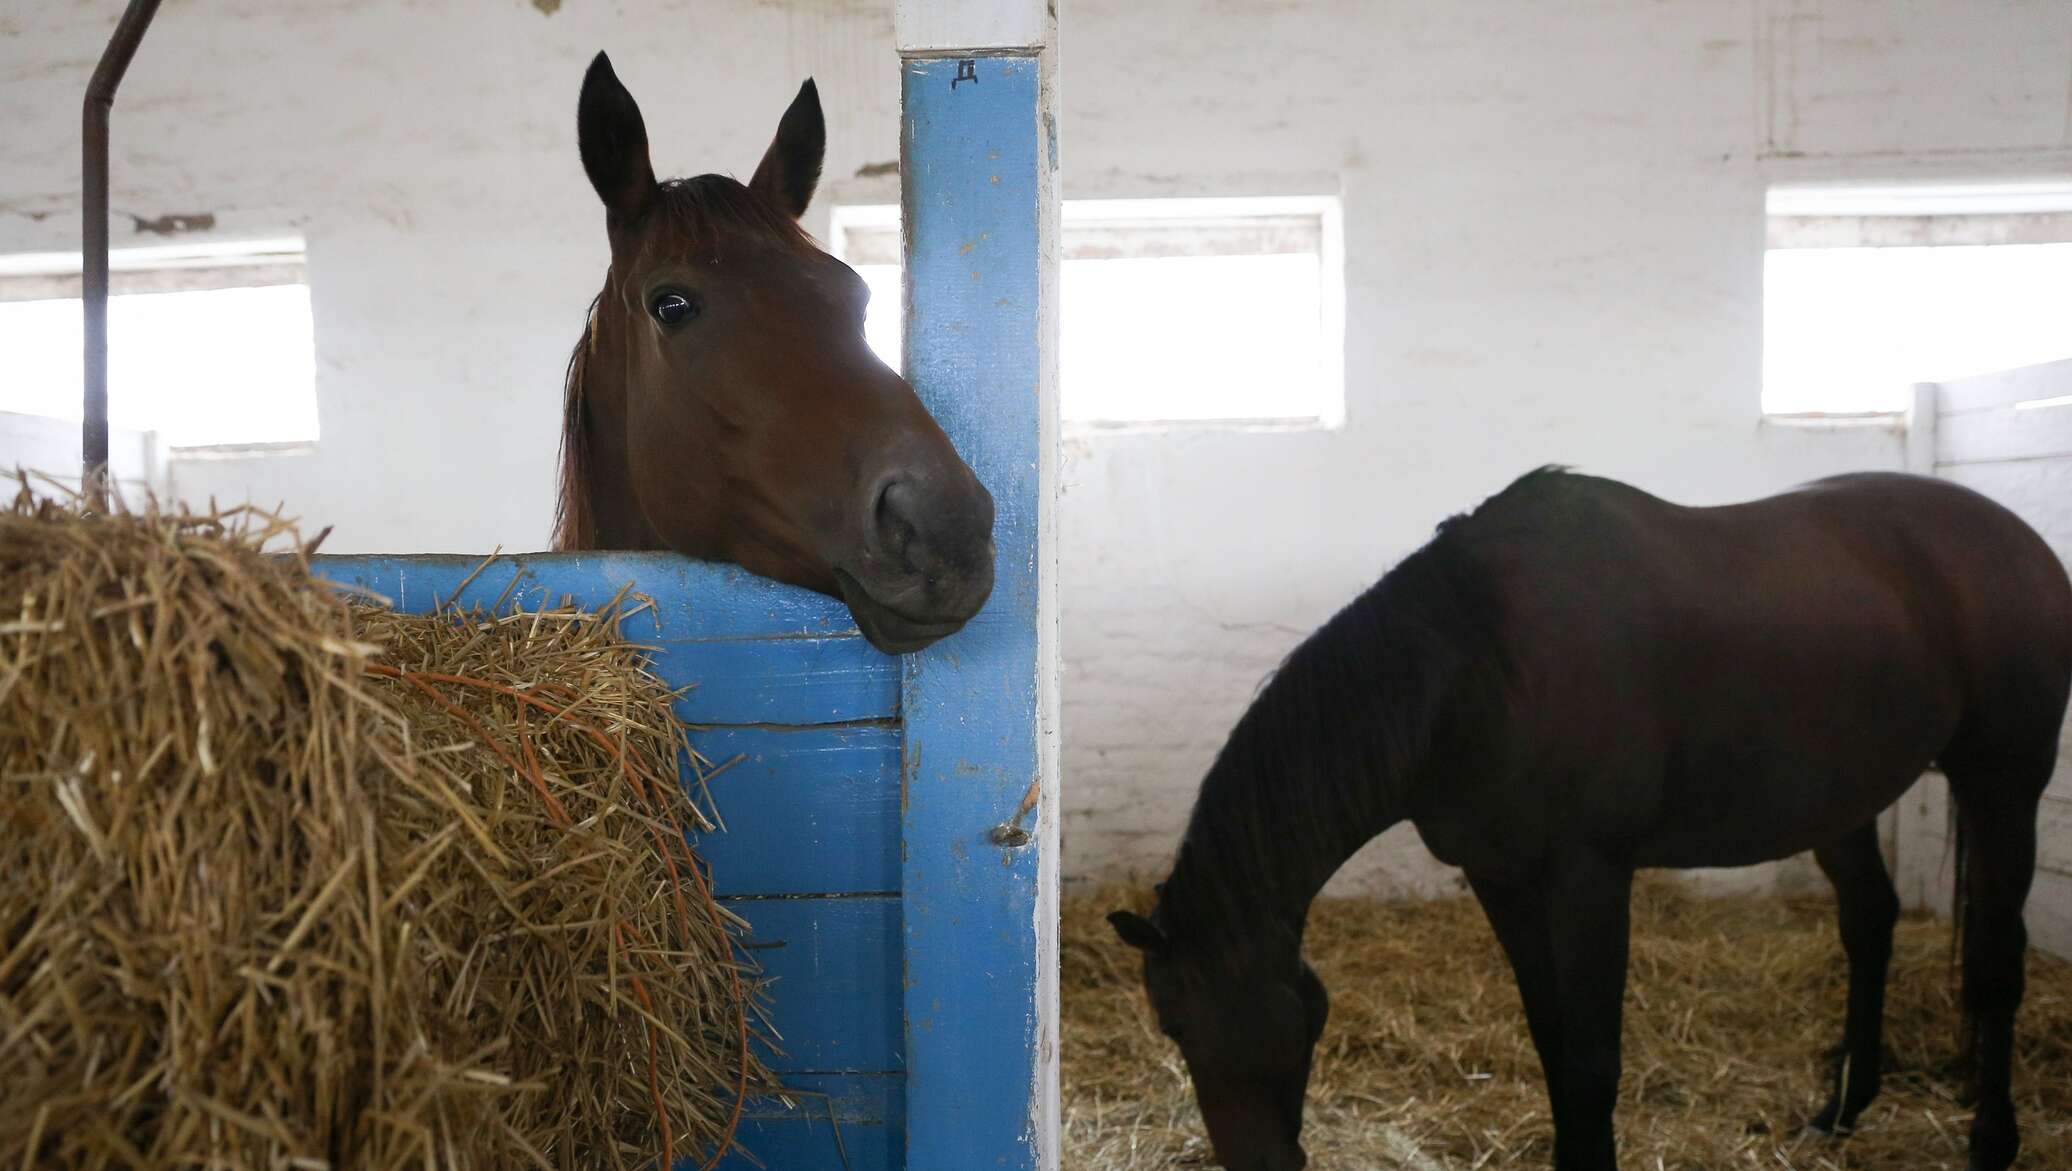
{"type": "Point", "coordinates": [287, 882]}
{"type": "Point", "coordinates": [1731, 1008]}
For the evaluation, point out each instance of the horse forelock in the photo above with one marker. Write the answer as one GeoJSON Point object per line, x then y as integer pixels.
{"type": "Point", "coordinates": [700, 214]}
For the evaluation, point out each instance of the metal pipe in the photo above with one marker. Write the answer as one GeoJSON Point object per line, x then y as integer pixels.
{"type": "Point", "coordinates": [100, 100]}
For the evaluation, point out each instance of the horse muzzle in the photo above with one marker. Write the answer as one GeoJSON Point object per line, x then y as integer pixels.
{"type": "Point", "coordinates": [925, 562]}
{"type": "Point", "coordinates": [905, 618]}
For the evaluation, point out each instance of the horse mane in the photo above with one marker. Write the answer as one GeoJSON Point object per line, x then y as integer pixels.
{"type": "Point", "coordinates": [700, 213]}
{"type": "Point", "coordinates": [575, 524]}
{"type": "Point", "coordinates": [1330, 748]}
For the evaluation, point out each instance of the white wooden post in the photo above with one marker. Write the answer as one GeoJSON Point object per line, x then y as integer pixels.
{"type": "Point", "coordinates": [1920, 424]}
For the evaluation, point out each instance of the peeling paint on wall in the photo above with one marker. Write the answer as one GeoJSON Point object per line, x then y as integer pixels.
{"type": "Point", "coordinates": [174, 223]}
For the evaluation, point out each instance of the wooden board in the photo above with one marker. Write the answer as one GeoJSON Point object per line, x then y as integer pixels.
{"type": "Point", "coordinates": [780, 681]}
{"type": "Point", "coordinates": [51, 446]}
{"type": "Point", "coordinates": [2004, 435]}
{"type": "Point", "coordinates": [852, 1121]}
{"type": "Point", "coordinates": [2004, 388]}
{"type": "Point", "coordinates": [830, 794]}
{"type": "Point", "coordinates": [692, 600]}
{"type": "Point", "coordinates": [834, 968]}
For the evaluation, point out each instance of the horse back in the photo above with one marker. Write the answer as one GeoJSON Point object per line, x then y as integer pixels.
{"type": "Point", "coordinates": [1979, 584]}
{"type": "Point", "coordinates": [1675, 669]}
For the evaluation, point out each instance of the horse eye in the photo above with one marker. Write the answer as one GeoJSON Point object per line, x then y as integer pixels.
{"type": "Point", "coordinates": [673, 308]}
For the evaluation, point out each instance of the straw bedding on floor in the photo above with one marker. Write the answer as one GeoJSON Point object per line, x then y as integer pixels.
{"type": "Point", "coordinates": [1732, 1006]}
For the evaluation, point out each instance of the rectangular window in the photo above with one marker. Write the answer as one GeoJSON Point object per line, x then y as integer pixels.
{"type": "Point", "coordinates": [209, 347]}
{"type": "Point", "coordinates": [1172, 311]}
{"type": "Point", "coordinates": [1867, 291]}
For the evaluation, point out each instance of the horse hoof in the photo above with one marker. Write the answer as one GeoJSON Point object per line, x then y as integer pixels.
{"type": "Point", "coordinates": [1838, 1118]}
{"type": "Point", "coordinates": [1993, 1148]}
{"type": "Point", "coordinates": [1831, 1122]}
{"type": "Point", "coordinates": [1993, 1158]}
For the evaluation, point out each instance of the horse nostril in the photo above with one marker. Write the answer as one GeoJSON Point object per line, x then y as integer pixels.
{"type": "Point", "coordinates": [893, 519]}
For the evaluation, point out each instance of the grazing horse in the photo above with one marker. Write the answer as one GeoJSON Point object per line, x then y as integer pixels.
{"type": "Point", "coordinates": [1578, 680]}
{"type": "Point", "coordinates": [723, 403]}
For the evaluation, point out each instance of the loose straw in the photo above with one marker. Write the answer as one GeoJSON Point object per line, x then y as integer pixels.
{"type": "Point", "coordinates": [1732, 1007]}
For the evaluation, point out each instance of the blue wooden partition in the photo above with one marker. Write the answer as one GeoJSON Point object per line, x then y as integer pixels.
{"type": "Point", "coordinates": [811, 856]}
{"type": "Point", "coordinates": [975, 164]}
{"type": "Point", "coordinates": [890, 822]}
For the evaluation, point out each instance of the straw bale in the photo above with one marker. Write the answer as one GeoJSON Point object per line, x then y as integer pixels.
{"type": "Point", "coordinates": [288, 881]}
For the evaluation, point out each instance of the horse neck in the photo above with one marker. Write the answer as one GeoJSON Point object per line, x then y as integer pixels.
{"type": "Point", "coordinates": [1262, 844]}
{"type": "Point", "coordinates": [601, 475]}
{"type": "Point", "coordinates": [1333, 752]}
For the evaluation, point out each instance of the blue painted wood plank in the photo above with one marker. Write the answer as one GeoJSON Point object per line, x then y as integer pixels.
{"type": "Point", "coordinates": [813, 1145]}
{"type": "Point", "coordinates": [807, 810]}
{"type": "Point", "coordinates": [756, 651]}
{"type": "Point", "coordinates": [834, 967]}
{"type": "Point", "coordinates": [694, 599]}
{"type": "Point", "coordinates": [975, 167]}
{"type": "Point", "coordinates": [858, 1125]}
{"type": "Point", "coordinates": [780, 681]}
{"type": "Point", "coordinates": [845, 1097]}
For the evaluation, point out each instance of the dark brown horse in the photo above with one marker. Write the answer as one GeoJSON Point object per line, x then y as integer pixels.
{"type": "Point", "coordinates": [723, 402]}
{"type": "Point", "coordinates": [1579, 680]}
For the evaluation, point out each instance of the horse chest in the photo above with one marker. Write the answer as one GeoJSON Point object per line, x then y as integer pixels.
{"type": "Point", "coordinates": [1485, 838]}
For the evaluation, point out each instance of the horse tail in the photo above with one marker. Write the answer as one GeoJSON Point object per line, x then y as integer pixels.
{"type": "Point", "coordinates": [1960, 920]}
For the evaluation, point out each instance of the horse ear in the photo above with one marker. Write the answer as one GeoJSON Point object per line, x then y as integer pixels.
{"type": "Point", "coordinates": [613, 141]}
{"type": "Point", "coordinates": [1139, 932]}
{"type": "Point", "coordinates": [791, 167]}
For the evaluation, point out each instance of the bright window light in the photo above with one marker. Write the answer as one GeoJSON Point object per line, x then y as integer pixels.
{"type": "Point", "coordinates": [1868, 290]}
{"type": "Point", "coordinates": [1171, 310]}
{"type": "Point", "coordinates": [218, 353]}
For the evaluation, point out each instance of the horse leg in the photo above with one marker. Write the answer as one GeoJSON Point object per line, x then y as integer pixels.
{"type": "Point", "coordinates": [1588, 900]}
{"type": "Point", "coordinates": [1997, 815]}
{"type": "Point", "coordinates": [1868, 908]}
{"type": "Point", "coordinates": [1518, 914]}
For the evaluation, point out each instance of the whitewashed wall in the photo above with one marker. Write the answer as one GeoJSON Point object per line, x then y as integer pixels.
{"type": "Point", "coordinates": [1553, 230]}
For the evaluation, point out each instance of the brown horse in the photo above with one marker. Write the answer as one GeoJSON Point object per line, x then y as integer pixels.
{"type": "Point", "coordinates": [1579, 680]}
{"type": "Point", "coordinates": [723, 403]}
